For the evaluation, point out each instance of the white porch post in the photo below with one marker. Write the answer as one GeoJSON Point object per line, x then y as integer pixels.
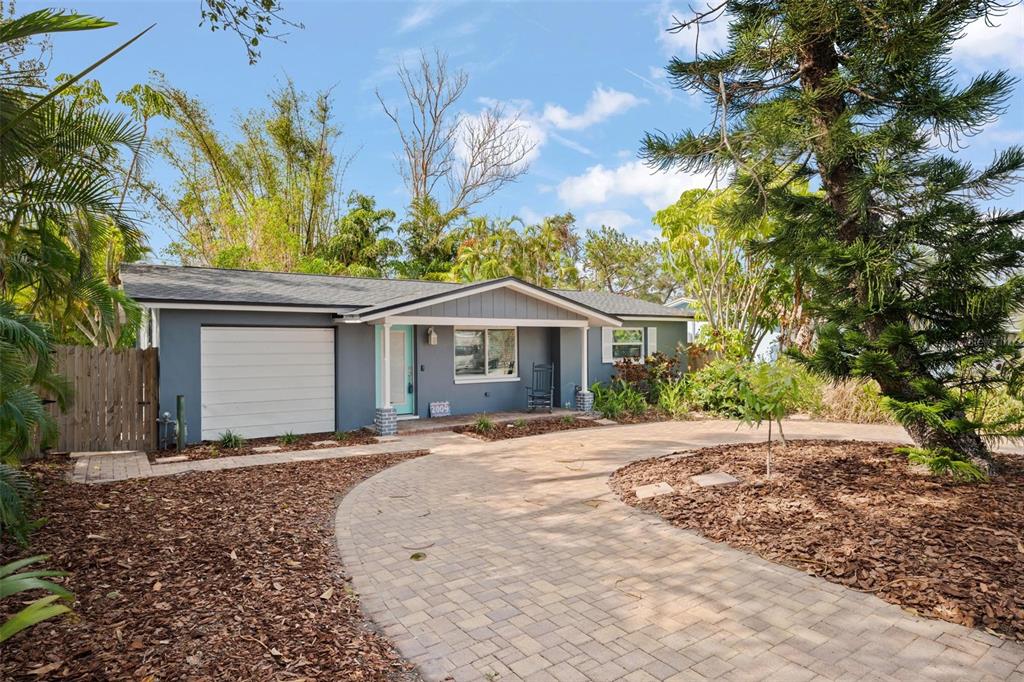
{"type": "Point", "coordinates": [584, 381]}
{"type": "Point", "coordinates": [385, 367]}
{"type": "Point", "coordinates": [385, 420]}
{"type": "Point", "coordinates": [584, 398]}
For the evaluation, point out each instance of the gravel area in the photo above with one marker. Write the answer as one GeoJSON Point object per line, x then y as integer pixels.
{"type": "Point", "coordinates": [857, 514]}
{"type": "Point", "coordinates": [228, 575]}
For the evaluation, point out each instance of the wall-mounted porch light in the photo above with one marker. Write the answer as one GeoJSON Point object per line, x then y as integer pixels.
{"type": "Point", "coordinates": [431, 336]}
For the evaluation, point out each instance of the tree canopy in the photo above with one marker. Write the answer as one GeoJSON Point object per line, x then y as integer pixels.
{"type": "Point", "coordinates": [913, 277]}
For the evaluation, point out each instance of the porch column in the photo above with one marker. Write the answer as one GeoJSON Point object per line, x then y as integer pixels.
{"type": "Point", "coordinates": [385, 418]}
{"type": "Point", "coordinates": [584, 398]}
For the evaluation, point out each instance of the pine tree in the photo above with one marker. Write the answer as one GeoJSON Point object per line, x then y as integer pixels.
{"type": "Point", "coordinates": [914, 280]}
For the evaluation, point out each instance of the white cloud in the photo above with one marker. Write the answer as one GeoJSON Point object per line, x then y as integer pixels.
{"type": "Point", "coordinates": [1004, 41]}
{"type": "Point", "coordinates": [422, 13]}
{"type": "Point", "coordinates": [713, 36]}
{"type": "Point", "coordinates": [615, 218]}
{"type": "Point", "coordinates": [603, 104]}
{"type": "Point", "coordinates": [598, 185]}
{"type": "Point", "coordinates": [575, 146]}
{"type": "Point", "coordinates": [529, 216]}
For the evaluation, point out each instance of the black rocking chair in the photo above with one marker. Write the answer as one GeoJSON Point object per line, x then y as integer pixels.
{"type": "Point", "coordinates": [541, 392]}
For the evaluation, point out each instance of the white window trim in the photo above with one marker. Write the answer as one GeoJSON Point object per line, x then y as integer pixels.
{"type": "Point", "coordinates": [485, 378]}
{"type": "Point", "coordinates": [642, 343]}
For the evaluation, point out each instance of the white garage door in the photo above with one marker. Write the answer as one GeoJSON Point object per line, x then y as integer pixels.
{"type": "Point", "coordinates": [265, 381]}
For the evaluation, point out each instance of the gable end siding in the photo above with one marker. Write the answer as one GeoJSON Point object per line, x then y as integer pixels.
{"type": "Point", "coordinates": [498, 304]}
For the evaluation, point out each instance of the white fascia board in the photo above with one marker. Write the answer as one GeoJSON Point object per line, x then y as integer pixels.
{"type": "Point", "coordinates": [234, 306]}
{"type": "Point", "coordinates": [593, 316]}
{"type": "Point", "coordinates": [654, 318]}
{"type": "Point", "coordinates": [475, 322]}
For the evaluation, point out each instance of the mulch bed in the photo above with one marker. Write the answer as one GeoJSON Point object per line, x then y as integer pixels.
{"type": "Point", "coordinates": [528, 427]}
{"type": "Point", "coordinates": [856, 514]}
{"type": "Point", "coordinates": [229, 575]}
{"type": "Point", "coordinates": [651, 415]}
{"type": "Point", "coordinates": [212, 449]}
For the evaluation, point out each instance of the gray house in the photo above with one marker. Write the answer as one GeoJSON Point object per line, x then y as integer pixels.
{"type": "Point", "coordinates": [265, 353]}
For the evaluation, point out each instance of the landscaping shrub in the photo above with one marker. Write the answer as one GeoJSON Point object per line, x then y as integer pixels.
{"type": "Point", "coordinates": [718, 388]}
{"type": "Point", "coordinates": [618, 398]}
{"type": "Point", "coordinates": [288, 438]}
{"type": "Point", "coordinates": [483, 424]}
{"type": "Point", "coordinates": [673, 398]}
{"type": "Point", "coordinates": [649, 376]}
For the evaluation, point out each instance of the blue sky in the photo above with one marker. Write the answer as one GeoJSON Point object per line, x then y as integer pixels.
{"type": "Point", "coordinates": [586, 77]}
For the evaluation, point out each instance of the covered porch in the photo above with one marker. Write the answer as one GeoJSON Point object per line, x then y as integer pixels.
{"type": "Point", "coordinates": [439, 362]}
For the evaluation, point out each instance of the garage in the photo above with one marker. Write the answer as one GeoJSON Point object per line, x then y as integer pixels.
{"type": "Point", "coordinates": [266, 381]}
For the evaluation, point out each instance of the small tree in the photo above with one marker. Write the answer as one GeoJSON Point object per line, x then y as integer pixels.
{"type": "Point", "coordinates": [770, 392]}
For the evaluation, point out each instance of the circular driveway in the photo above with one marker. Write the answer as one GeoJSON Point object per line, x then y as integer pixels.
{"type": "Point", "coordinates": [532, 569]}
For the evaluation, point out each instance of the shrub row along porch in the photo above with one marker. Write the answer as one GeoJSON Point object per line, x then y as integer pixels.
{"type": "Point", "coordinates": [262, 354]}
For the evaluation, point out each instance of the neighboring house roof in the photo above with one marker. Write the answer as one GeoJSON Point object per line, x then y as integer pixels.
{"type": "Point", "coordinates": [619, 304]}
{"type": "Point", "coordinates": [685, 304]}
{"type": "Point", "coordinates": [156, 284]}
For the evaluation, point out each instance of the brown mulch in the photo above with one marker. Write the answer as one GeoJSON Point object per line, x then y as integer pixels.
{"type": "Point", "coordinates": [653, 414]}
{"type": "Point", "coordinates": [856, 514]}
{"type": "Point", "coordinates": [229, 575]}
{"type": "Point", "coordinates": [212, 449]}
{"type": "Point", "coordinates": [528, 427]}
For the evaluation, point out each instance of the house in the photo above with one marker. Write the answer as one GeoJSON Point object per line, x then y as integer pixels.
{"type": "Point", "coordinates": [265, 353]}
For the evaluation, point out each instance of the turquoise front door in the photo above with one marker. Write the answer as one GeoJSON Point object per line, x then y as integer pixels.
{"type": "Point", "coordinates": [403, 368]}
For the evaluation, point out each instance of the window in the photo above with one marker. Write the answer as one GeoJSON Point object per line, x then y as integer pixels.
{"type": "Point", "coordinates": [627, 342]}
{"type": "Point", "coordinates": [482, 354]}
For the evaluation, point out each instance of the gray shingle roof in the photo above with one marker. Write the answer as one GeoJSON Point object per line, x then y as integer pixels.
{"type": "Point", "coordinates": [172, 283]}
{"type": "Point", "coordinates": [153, 283]}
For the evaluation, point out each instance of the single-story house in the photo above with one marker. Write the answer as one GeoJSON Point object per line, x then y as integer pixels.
{"type": "Point", "coordinates": [265, 353]}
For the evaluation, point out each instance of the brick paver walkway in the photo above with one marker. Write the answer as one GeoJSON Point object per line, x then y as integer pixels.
{"type": "Point", "coordinates": [535, 571]}
{"type": "Point", "coordinates": [120, 466]}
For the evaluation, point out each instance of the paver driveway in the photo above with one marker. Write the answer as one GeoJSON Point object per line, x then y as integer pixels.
{"type": "Point", "coordinates": [534, 570]}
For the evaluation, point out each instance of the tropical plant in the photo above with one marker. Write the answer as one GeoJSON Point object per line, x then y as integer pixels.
{"type": "Point", "coordinates": [914, 280]}
{"type": "Point", "coordinates": [544, 254]}
{"type": "Point", "coordinates": [230, 440]}
{"type": "Point", "coordinates": [735, 289]}
{"type": "Point", "coordinates": [673, 398]}
{"type": "Point", "coordinates": [61, 207]}
{"type": "Point", "coordinates": [618, 398]}
{"type": "Point", "coordinates": [14, 580]}
{"type": "Point", "coordinates": [16, 494]}
{"type": "Point", "coordinates": [26, 372]}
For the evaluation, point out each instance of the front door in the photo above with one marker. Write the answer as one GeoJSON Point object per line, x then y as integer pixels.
{"type": "Point", "coordinates": [403, 369]}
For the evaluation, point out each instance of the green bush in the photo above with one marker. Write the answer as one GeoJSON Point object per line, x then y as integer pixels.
{"type": "Point", "coordinates": [230, 440]}
{"type": "Point", "coordinates": [483, 424]}
{"type": "Point", "coordinates": [288, 438]}
{"type": "Point", "coordinates": [618, 398]}
{"type": "Point", "coordinates": [673, 398]}
{"type": "Point", "coordinates": [718, 388]}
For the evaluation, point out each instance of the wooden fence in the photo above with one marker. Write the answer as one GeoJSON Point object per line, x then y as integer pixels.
{"type": "Point", "coordinates": [113, 401]}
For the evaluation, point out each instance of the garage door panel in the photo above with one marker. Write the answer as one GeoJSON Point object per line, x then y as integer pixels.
{"type": "Point", "coordinates": [244, 387]}
{"type": "Point", "coordinates": [267, 381]}
{"type": "Point", "coordinates": [229, 372]}
{"type": "Point", "coordinates": [258, 413]}
{"type": "Point", "coordinates": [264, 334]}
{"type": "Point", "coordinates": [246, 360]}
